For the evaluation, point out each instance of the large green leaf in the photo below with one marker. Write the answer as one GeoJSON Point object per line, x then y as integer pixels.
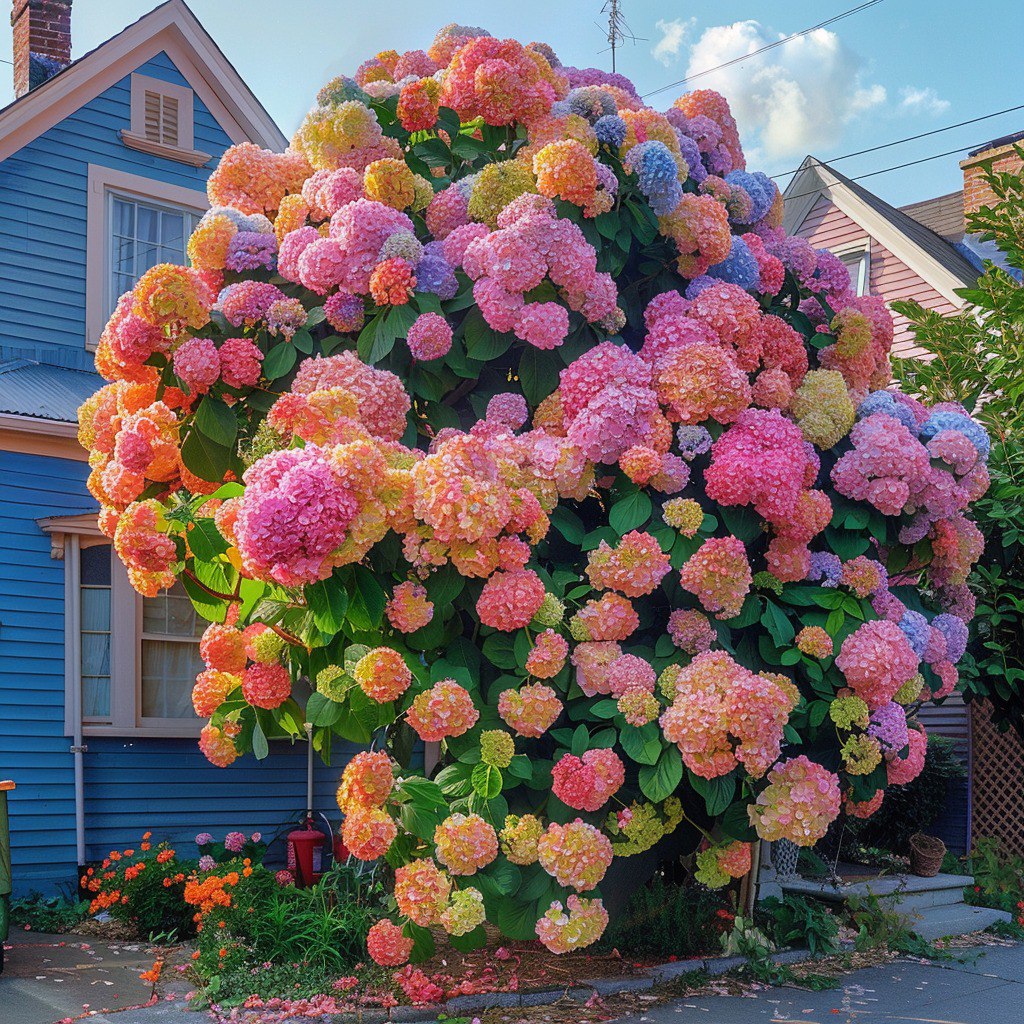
{"type": "Point", "coordinates": [487, 781]}
{"type": "Point", "coordinates": [366, 600]}
{"type": "Point", "coordinates": [630, 512]}
{"type": "Point", "coordinates": [208, 459]}
{"type": "Point", "coordinates": [643, 745]}
{"type": "Point", "coordinates": [661, 780]}
{"type": "Point", "coordinates": [216, 421]}
{"type": "Point", "coordinates": [538, 374]}
{"type": "Point", "coordinates": [717, 793]}
{"type": "Point", "coordinates": [328, 601]}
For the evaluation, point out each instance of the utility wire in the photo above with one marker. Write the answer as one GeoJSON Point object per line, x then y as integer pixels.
{"type": "Point", "coordinates": [909, 138]}
{"type": "Point", "coordinates": [765, 49]}
{"type": "Point", "coordinates": [885, 170]}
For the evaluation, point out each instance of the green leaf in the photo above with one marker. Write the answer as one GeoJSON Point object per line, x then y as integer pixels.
{"type": "Point", "coordinates": [455, 780]}
{"type": "Point", "coordinates": [279, 361]}
{"type": "Point", "coordinates": [498, 649]}
{"type": "Point", "coordinates": [322, 711]}
{"type": "Point", "coordinates": [205, 457]}
{"type": "Point", "coordinates": [487, 781]}
{"type": "Point", "coordinates": [777, 623]}
{"type": "Point", "coordinates": [205, 540]}
{"type": "Point", "coordinates": [718, 793]}
{"type": "Point", "coordinates": [630, 512]}
{"type": "Point", "coordinates": [580, 740]}
{"type": "Point", "coordinates": [482, 341]}
{"type": "Point", "coordinates": [328, 601]}
{"type": "Point", "coordinates": [422, 942]}
{"type": "Point", "coordinates": [643, 745]}
{"type": "Point", "coordinates": [521, 767]}
{"type": "Point", "coordinates": [661, 780]}
{"type": "Point", "coordinates": [735, 822]}
{"type": "Point", "coordinates": [743, 523]}
{"type": "Point", "coordinates": [538, 374]}
{"type": "Point", "coordinates": [260, 747]}
{"type": "Point", "coordinates": [568, 524]}
{"type": "Point", "coordinates": [216, 421]}
{"type": "Point", "coordinates": [476, 939]}
{"type": "Point", "coordinates": [366, 600]}
{"type": "Point", "coordinates": [516, 920]}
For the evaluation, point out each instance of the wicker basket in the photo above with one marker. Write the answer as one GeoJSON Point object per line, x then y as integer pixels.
{"type": "Point", "coordinates": [926, 853]}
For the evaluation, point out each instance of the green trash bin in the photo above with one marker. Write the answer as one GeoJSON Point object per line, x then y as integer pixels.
{"type": "Point", "coordinates": [5, 869]}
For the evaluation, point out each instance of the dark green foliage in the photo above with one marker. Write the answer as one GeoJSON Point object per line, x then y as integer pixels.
{"type": "Point", "coordinates": [795, 921]}
{"type": "Point", "coordinates": [53, 914]}
{"type": "Point", "coordinates": [916, 806]}
{"type": "Point", "coordinates": [667, 919]}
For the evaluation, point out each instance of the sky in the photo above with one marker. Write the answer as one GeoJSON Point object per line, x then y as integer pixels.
{"type": "Point", "coordinates": [899, 68]}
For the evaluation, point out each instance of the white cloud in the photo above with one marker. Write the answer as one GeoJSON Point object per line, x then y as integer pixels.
{"type": "Point", "coordinates": [922, 101]}
{"type": "Point", "coordinates": [797, 97]}
{"type": "Point", "coordinates": [666, 49]}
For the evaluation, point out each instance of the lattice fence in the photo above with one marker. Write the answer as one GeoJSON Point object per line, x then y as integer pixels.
{"type": "Point", "coordinates": [997, 781]}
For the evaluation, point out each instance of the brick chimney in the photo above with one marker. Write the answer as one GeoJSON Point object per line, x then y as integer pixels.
{"type": "Point", "coordinates": [1004, 158]}
{"type": "Point", "coordinates": [42, 41]}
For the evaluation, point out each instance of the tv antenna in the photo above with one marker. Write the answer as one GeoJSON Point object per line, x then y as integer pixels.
{"type": "Point", "coordinates": [618, 30]}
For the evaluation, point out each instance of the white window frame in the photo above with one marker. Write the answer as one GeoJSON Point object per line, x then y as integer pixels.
{"type": "Point", "coordinates": [860, 248]}
{"type": "Point", "coordinates": [68, 534]}
{"type": "Point", "coordinates": [102, 183]}
{"type": "Point", "coordinates": [134, 137]}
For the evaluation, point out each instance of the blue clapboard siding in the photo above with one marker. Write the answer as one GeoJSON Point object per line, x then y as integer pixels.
{"type": "Point", "coordinates": [43, 205]}
{"type": "Point", "coordinates": [33, 747]}
{"type": "Point", "coordinates": [132, 785]}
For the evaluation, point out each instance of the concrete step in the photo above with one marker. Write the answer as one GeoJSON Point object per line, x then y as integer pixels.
{"type": "Point", "coordinates": [940, 922]}
{"type": "Point", "coordinates": [905, 892]}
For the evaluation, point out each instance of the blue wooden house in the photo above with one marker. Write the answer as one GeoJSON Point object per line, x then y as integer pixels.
{"type": "Point", "coordinates": [103, 164]}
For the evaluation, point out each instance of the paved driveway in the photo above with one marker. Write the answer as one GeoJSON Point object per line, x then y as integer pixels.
{"type": "Point", "coordinates": [987, 989]}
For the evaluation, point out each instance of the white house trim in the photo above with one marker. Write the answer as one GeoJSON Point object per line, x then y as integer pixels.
{"type": "Point", "coordinates": [814, 180]}
{"type": "Point", "coordinates": [103, 180]}
{"type": "Point", "coordinates": [171, 28]}
{"type": "Point", "coordinates": [135, 137]}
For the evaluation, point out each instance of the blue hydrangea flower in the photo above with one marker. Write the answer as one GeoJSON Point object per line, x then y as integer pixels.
{"type": "Point", "coordinates": [826, 567]}
{"type": "Point", "coordinates": [759, 187]}
{"type": "Point", "coordinates": [693, 440]}
{"type": "Point", "coordinates": [657, 175]}
{"type": "Point", "coordinates": [698, 285]}
{"type": "Point", "coordinates": [434, 274]}
{"type": "Point", "coordinates": [915, 629]}
{"type": "Point", "coordinates": [739, 267]}
{"type": "Point", "coordinates": [948, 420]}
{"type": "Point", "coordinates": [884, 402]}
{"type": "Point", "coordinates": [954, 629]}
{"type": "Point", "coordinates": [610, 131]}
{"type": "Point", "coordinates": [691, 154]}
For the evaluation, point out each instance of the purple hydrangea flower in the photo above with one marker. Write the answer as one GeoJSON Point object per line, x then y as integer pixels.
{"type": "Point", "coordinates": [889, 726]}
{"type": "Point", "coordinates": [826, 567]}
{"type": "Point", "coordinates": [955, 631]}
{"type": "Point", "coordinates": [739, 267]}
{"type": "Point", "coordinates": [206, 863]}
{"type": "Point", "coordinates": [916, 629]}
{"type": "Point", "coordinates": [204, 839]}
{"type": "Point", "coordinates": [657, 175]}
{"type": "Point", "coordinates": [251, 250]}
{"type": "Point", "coordinates": [234, 842]}
{"type": "Point", "coordinates": [693, 441]}
{"type": "Point", "coordinates": [610, 131]}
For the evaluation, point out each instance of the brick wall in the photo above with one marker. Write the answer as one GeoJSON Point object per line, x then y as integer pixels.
{"type": "Point", "coordinates": [42, 28]}
{"type": "Point", "coordinates": [976, 192]}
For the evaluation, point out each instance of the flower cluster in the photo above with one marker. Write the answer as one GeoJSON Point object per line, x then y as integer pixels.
{"type": "Point", "coordinates": [800, 802]}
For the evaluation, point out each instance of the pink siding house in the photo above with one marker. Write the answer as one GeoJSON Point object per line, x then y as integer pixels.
{"type": "Point", "coordinates": [921, 252]}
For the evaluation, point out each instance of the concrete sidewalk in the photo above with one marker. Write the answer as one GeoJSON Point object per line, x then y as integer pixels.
{"type": "Point", "coordinates": [988, 988]}
{"type": "Point", "coordinates": [49, 978]}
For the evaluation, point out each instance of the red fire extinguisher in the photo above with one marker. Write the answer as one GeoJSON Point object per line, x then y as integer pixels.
{"type": "Point", "coordinates": [304, 847]}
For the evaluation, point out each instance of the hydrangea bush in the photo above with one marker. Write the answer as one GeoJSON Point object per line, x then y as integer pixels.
{"type": "Point", "coordinates": [499, 413]}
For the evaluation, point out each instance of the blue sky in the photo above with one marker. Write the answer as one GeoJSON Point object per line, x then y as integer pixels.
{"type": "Point", "coordinates": [897, 69]}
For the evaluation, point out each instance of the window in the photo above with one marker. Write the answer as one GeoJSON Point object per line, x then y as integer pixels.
{"type": "Point", "coordinates": [143, 234]}
{"type": "Point", "coordinates": [858, 262]}
{"type": "Point", "coordinates": [133, 223]}
{"type": "Point", "coordinates": [138, 657]}
{"type": "Point", "coordinates": [162, 121]}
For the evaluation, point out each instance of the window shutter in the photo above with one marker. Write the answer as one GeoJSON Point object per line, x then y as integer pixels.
{"type": "Point", "coordinates": [161, 118]}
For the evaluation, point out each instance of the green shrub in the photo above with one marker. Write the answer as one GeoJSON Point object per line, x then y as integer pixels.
{"type": "Point", "coordinates": [322, 929]}
{"type": "Point", "coordinates": [53, 914]}
{"type": "Point", "coordinates": [998, 878]}
{"type": "Point", "coordinates": [668, 919]}
{"type": "Point", "coordinates": [916, 806]}
{"type": "Point", "coordinates": [796, 921]}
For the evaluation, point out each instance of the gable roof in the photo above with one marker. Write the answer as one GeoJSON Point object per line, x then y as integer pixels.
{"type": "Point", "coordinates": [944, 215]}
{"type": "Point", "coordinates": [931, 257]}
{"type": "Point", "coordinates": [171, 27]}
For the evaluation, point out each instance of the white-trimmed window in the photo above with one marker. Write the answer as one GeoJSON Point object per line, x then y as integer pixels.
{"type": "Point", "coordinates": [163, 121]}
{"type": "Point", "coordinates": [133, 659]}
{"type": "Point", "coordinates": [142, 234]}
{"type": "Point", "coordinates": [857, 258]}
{"type": "Point", "coordinates": [133, 223]}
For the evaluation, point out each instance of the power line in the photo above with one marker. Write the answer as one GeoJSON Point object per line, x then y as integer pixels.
{"type": "Point", "coordinates": [909, 138]}
{"type": "Point", "coordinates": [764, 49]}
{"type": "Point", "coordinates": [886, 170]}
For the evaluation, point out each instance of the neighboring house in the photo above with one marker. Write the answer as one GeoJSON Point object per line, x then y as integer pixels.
{"type": "Point", "coordinates": [103, 164]}
{"type": "Point", "coordinates": [920, 251]}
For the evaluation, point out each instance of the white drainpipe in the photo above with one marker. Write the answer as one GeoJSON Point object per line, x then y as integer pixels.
{"type": "Point", "coordinates": [309, 767]}
{"type": "Point", "coordinates": [74, 611]}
